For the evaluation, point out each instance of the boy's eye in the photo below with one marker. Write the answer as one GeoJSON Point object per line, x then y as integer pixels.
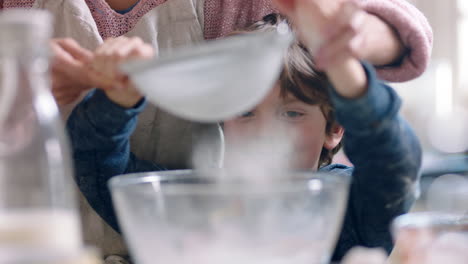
{"type": "Point", "coordinates": [293, 114]}
{"type": "Point", "coordinates": [247, 114]}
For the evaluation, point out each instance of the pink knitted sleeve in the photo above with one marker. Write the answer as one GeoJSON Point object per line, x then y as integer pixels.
{"type": "Point", "coordinates": [16, 3]}
{"type": "Point", "coordinates": [223, 16]}
{"type": "Point", "coordinates": [414, 31]}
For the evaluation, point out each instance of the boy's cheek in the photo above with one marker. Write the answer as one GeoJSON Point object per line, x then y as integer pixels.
{"type": "Point", "coordinates": [232, 133]}
{"type": "Point", "coordinates": [305, 158]}
{"type": "Point", "coordinates": [307, 148]}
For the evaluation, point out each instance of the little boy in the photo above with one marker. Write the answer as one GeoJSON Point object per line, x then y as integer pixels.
{"type": "Point", "coordinates": [317, 107]}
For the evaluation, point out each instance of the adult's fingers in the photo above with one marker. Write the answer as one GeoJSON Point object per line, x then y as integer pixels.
{"type": "Point", "coordinates": [100, 80]}
{"type": "Point", "coordinates": [146, 51]}
{"type": "Point", "coordinates": [113, 55]}
{"type": "Point", "coordinates": [64, 96]}
{"type": "Point", "coordinates": [61, 58]}
{"type": "Point", "coordinates": [101, 49]}
{"type": "Point", "coordinates": [65, 64]}
{"type": "Point", "coordinates": [131, 48]}
{"type": "Point", "coordinates": [349, 17]}
{"type": "Point", "coordinates": [347, 43]}
{"type": "Point", "coordinates": [123, 49]}
{"type": "Point", "coordinates": [108, 54]}
{"type": "Point", "coordinates": [68, 99]}
{"type": "Point", "coordinates": [285, 7]}
{"type": "Point", "coordinates": [104, 68]}
{"type": "Point", "coordinates": [101, 55]}
{"type": "Point", "coordinates": [75, 50]}
{"type": "Point", "coordinates": [310, 18]}
{"type": "Point", "coordinates": [124, 46]}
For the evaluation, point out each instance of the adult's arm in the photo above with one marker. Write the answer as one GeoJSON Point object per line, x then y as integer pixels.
{"type": "Point", "coordinates": [413, 30]}
{"type": "Point", "coordinates": [411, 26]}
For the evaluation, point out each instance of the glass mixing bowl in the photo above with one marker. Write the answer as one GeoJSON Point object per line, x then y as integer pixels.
{"type": "Point", "coordinates": [188, 217]}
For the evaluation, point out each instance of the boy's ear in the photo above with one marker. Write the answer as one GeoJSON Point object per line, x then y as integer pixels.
{"type": "Point", "coordinates": [333, 138]}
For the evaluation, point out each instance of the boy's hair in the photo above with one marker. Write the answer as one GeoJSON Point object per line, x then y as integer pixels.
{"type": "Point", "coordinates": [299, 78]}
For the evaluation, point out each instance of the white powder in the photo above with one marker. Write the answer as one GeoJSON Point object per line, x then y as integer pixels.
{"type": "Point", "coordinates": [36, 228]}
{"type": "Point", "coordinates": [254, 160]}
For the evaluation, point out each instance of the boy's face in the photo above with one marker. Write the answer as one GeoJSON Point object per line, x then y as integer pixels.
{"type": "Point", "coordinates": [303, 124]}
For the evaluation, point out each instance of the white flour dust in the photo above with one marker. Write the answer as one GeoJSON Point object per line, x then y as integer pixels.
{"type": "Point", "coordinates": [258, 159]}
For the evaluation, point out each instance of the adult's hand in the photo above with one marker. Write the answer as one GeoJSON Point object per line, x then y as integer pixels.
{"type": "Point", "coordinates": [105, 73]}
{"type": "Point", "coordinates": [364, 35]}
{"type": "Point", "coordinates": [104, 68]}
{"type": "Point", "coordinates": [343, 69]}
{"type": "Point", "coordinates": [69, 74]}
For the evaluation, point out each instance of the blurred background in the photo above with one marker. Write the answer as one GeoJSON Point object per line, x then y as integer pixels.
{"type": "Point", "coordinates": [435, 103]}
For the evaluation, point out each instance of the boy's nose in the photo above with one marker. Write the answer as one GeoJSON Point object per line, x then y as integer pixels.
{"type": "Point", "coordinates": [263, 126]}
{"type": "Point", "coordinates": [269, 129]}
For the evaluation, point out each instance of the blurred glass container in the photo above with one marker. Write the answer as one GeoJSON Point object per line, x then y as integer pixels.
{"type": "Point", "coordinates": [431, 238]}
{"type": "Point", "coordinates": [436, 230]}
{"type": "Point", "coordinates": [87, 255]}
{"type": "Point", "coordinates": [37, 203]}
{"type": "Point", "coordinates": [187, 217]}
{"type": "Point", "coordinates": [444, 186]}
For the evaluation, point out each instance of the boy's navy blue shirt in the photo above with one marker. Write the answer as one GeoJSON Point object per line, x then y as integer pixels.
{"type": "Point", "coordinates": [383, 148]}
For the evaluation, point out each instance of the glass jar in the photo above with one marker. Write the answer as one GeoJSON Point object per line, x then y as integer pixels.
{"type": "Point", "coordinates": [37, 202]}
